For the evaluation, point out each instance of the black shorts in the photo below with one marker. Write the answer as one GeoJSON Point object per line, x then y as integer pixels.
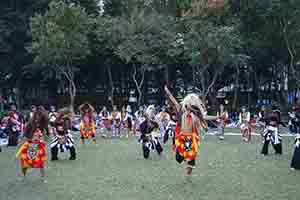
{"type": "Point", "coordinates": [129, 124]}
{"type": "Point", "coordinates": [180, 159]}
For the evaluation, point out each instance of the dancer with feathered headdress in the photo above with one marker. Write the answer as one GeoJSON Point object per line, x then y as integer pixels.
{"type": "Point", "coordinates": [33, 153]}
{"type": "Point", "coordinates": [62, 137]}
{"type": "Point", "coordinates": [150, 133]}
{"type": "Point", "coordinates": [192, 116]}
{"type": "Point", "coordinates": [87, 124]}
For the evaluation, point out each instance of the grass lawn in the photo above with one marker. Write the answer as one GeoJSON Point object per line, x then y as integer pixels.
{"type": "Point", "coordinates": [114, 169]}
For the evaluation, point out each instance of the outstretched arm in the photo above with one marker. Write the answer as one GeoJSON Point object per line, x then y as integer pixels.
{"type": "Point", "coordinates": [210, 117]}
{"type": "Point", "coordinates": [172, 99]}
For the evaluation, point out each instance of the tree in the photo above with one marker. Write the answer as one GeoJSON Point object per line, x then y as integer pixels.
{"type": "Point", "coordinates": [207, 45]}
{"type": "Point", "coordinates": [91, 6]}
{"type": "Point", "coordinates": [14, 26]}
{"type": "Point", "coordinates": [59, 40]}
{"type": "Point", "coordinates": [269, 29]}
{"type": "Point", "coordinates": [140, 39]}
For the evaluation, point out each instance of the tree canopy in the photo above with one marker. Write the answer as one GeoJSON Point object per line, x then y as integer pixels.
{"type": "Point", "coordinates": [247, 48]}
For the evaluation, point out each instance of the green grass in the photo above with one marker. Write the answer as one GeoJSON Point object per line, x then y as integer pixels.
{"type": "Point", "coordinates": [114, 169]}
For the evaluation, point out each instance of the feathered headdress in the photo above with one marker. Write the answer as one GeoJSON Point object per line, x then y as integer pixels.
{"type": "Point", "coordinates": [64, 119]}
{"type": "Point", "coordinates": [39, 121]}
{"type": "Point", "coordinates": [150, 111]}
{"type": "Point", "coordinates": [86, 108]}
{"type": "Point", "coordinates": [193, 104]}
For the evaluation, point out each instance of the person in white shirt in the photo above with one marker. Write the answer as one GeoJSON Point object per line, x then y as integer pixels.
{"type": "Point", "coordinates": [163, 119]}
{"type": "Point", "coordinates": [222, 119]}
{"type": "Point", "coordinates": [104, 121]}
{"type": "Point", "coordinates": [52, 118]}
{"type": "Point", "coordinates": [115, 121]}
{"type": "Point", "coordinates": [139, 118]}
{"type": "Point", "coordinates": [244, 123]}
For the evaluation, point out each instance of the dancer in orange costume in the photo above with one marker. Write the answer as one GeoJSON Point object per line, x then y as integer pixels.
{"type": "Point", "coordinates": [87, 124]}
{"type": "Point", "coordinates": [33, 153]}
{"type": "Point", "coordinates": [192, 115]}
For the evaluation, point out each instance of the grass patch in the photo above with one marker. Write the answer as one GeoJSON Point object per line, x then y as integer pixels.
{"type": "Point", "coordinates": [114, 169]}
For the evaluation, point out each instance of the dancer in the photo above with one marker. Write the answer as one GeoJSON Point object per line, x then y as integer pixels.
{"type": "Point", "coordinates": [294, 121]}
{"type": "Point", "coordinates": [295, 163]}
{"type": "Point", "coordinates": [262, 116]}
{"type": "Point", "coordinates": [115, 122]}
{"type": "Point", "coordinates": [52, 119]}
{"type": "Point", "coordinates": [139, 118]}
{"type": "Point", "coordinates": [105, 123]}
{"type": "Point", "coordinates": [244, 123]}
{"type": "Point", "coordinates": [3, 135]}
{"type": "Point", "coordinates": [30, 114]}
{"type": "Point", "coordinates": [163, 119]}
{"type": "Point", "coordinates": [271, 132]}
{"type": "Point", "coordinates": [33, 152]}
{"type": "Point", "coordinates": [223, 117]}
{"type": "Point", "coordinates": [87, 124]}
{"type": "Point", "coordinates": [15, 126]}
{"type": "Point", "coordinates": [150, 133]}
{"type": "Point", "coordinates": [170, 129]}
{"type": "Point", "coordinates": [63, 139]}
{"type": "Point", "coordinates": [128, 120]}
{"type": "Point", "coordinates": [192, 115]}
{"type": "Point", "coordinates": [262, 121]}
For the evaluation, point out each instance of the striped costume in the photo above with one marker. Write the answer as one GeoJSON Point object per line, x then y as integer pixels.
{"type": "Point", "coordinates": [295, 164]}
{"type": "Point", "coordinates": [150, 137]}
{"type": "Point", "coordinates": [271, 133]}
{"type": "Point", "coordinates": [62, 143]}
{"type": "Point", "coordinates": [170, 132]}
{"type": "Point", "coordinates": [115, 123]}
{"type": "Point", "coordinates": [62, 138]}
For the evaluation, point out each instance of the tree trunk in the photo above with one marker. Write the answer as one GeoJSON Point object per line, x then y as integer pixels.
{"type": "Point", "coordinates": [257, 81]}
{"type": "Point", "coordinates": [290, 50]}
{"type": "Point", "coordinates": [1, 102]}
{"type": "Point", "coordinates": [17, 93]}
{"type": "Point", "coordinates": [139, 84]}
{"type": "Point", "coordinates": [72, 93]}
{"type": "Point", "coordinates": [248, 88]}
{"type": "Point", "coordinates": [211, 84]}
{"type": "Point", "coordinates": [111, 82]}
{"type": "Point", "coordinates": [167, 78]}
{"type": "Point", "coordinates": [255, 86]}
{"type": "Point", "coordinates": [194, 75]}
{"type": "Point", "coordinates": [69, 74]}
{"type": "Point", "coordinates": [72, 100]}
{"type": "Point", "coordinates": [236, 88]}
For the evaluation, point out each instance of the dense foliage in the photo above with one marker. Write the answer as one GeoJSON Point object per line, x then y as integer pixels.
{"type": "Point", "coordinates": [249, 49]}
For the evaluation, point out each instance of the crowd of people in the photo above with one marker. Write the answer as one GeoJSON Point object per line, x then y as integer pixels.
{"type": "Point", "coordinates": [178, 122]}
